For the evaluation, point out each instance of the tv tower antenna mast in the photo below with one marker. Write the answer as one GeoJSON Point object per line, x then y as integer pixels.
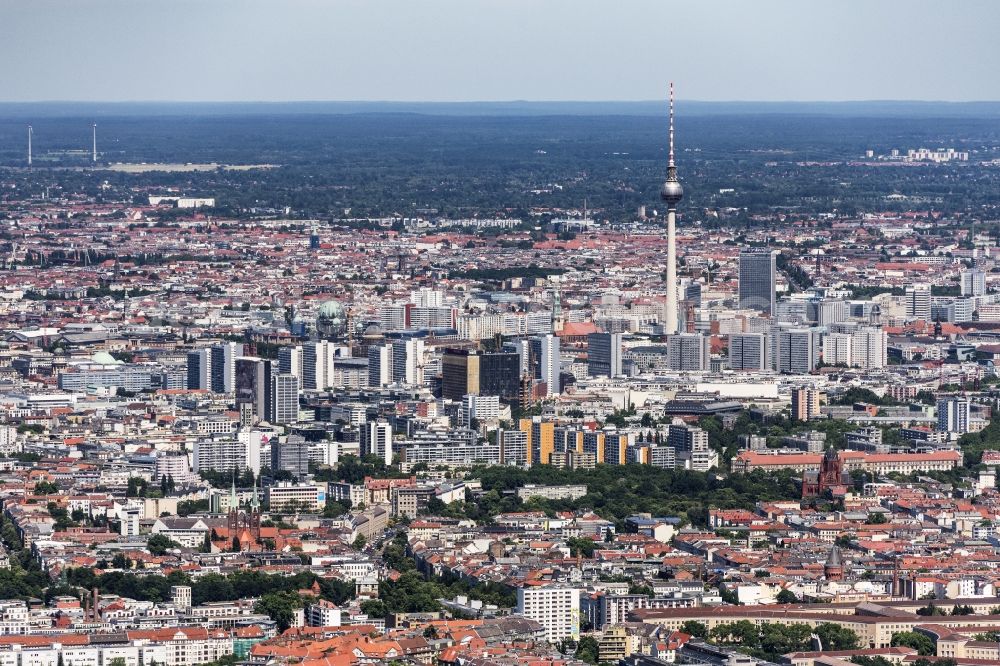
{"type": "Point", "coordinates": [30, 132]}
{"type": "Point", "coordinates": [93, 157]}
{"type": "Point", "coordinates": [671, 193]}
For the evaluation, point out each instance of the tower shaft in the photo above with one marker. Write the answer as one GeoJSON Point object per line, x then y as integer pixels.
{"type": "Point", "coordinates": [670, 310]}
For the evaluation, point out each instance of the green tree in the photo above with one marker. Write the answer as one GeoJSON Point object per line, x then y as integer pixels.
{"type": "Point", "coordinates": [919, 642]}
{"type": "Point", "coordinates": [836, 637]}
{"type": "Point", "coordinates": [587, 650]}
{"type": "Point", "coordinates": [46, 488]}
{"type": "Point", "coordinates": [158, 544]}
{"type": "Point", "coordinates": [787, 597]}
{"type": "Point", "coordinates": [280, 607]}
{"type": "Point", "coordinates": [359, 542]}
{"type": "Point", "coordinates": [695, 628]}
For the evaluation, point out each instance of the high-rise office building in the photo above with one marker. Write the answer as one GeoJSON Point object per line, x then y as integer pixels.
{"type": "Point", "coordinates": [284, 399]}
{"type": "Point", "coordinates": [317, 364]}
{"type": "Point", "coordinates": [869, 348]}
{"type": "Point", "coordinates": [290, 361]}
{"type": "Point", "coordinates": [691, 446]}
{"type": "Point", "coordinates": [253, 384]}
{"type": "Point", "coordinates": [758, 279]}
{"type": "Point", "coordinates": [918, 301]}
{"type": "Point", "coordinates": [604, 354]}
{"type": "Point", "coordinates": [223, 366]}
{"type": "Point", "coordinates": [376, 440]}
{"type": "Point", "coordinates": [748, 352]}
{"type": "Point", "coordinates": [199, 369]}
{"type": "Point", "coordinates": [973, 282]}
{"type": "Point", "coordinates": [545, 352]}
{"type": "Point", "coordinates": [408, 361]}
{"type": "Point", "coordinates": [837, 348]}
{"type": "Point", "coordinates": [954, 415]}
{"type": "Point", "coordinates": [688, 352]}
{"type": "Point", "coordinates": [794, 350]}
{"type": "Point", "coordinates": [469, 372]}
{"type": "Point", "coordinates": [291, 455]}
{"type": "Point", "coordinates": [379, 366]}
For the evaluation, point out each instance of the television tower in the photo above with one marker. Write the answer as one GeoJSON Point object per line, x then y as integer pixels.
{"type": "Point", "coordinates": [93, 157]}
{"type": "Point", "coordinates": [671, 193]}
{"type": "Point", "coordinates": [30, 131]}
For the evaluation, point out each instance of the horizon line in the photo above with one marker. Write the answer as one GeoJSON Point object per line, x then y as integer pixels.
{"type": "Point", "coordinates": [504, 101]}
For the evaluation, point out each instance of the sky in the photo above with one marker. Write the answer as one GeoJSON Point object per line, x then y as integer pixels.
{"type": "Point", "coordinates": [498, 50]}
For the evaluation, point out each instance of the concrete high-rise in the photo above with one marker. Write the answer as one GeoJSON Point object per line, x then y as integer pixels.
{"type": "Point", "coordinates": [973, 282]}
{"type": "Point", "coordinates": [604, 354]}
{"type": "Point", "coordinates": [253, 385]}
{"type": "Point", "coordinates": [748, 351]}
{"type": "Point", "coordinates": [199, 369]}
{"type": "Point", "coordinates": [671, 193]}
{"type": "Point", "coordinates": [379, 366]}
{"type": "Point", "coordinates": [918, 301]}
{"type": "Point", "coordinates": [688, 352]}
{"type": "Point", "coordinates": [284, 399]}
{"type": "Point", "coordinates": [758, 279]}
{"type": "Point", "coordinates": [545, 351]}
{"type": "Point", "coordinates": [223, 366]}
{"type": "Point", "coordinates": [290, 362]}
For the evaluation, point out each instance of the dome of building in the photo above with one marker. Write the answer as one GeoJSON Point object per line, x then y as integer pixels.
{"type": "Point", "coordinates": [331, 319]}
{"type": "Point", "coordinates": [104, 358]}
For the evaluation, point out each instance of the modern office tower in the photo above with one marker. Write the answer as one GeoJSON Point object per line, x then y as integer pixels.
{"type": "Point", "coordinates": [545, 352]}
{"type": "Point", "coordinates": [284, 399]}
{"type": "Point", "coordinates": [557, 609]}
{"type": "Point", "coordinates": [253, 384]}
{"type": "Point", "coordinates": [973, 282]}
{"type": "Point", "coordinates": [748, 352]}
{"type": "Point", "coordinates": [869, 348]}
{"type": "Point", "coordinates": [379, 366]}
{"type": "Point", "coordinates": [376, 440]}
{"type": "Point", "coordinates": [837, 348]}
{"type": "Point", "coordinates": [692, 293]}
{"type": "Point", "coordinates": [290, 362]}
{"type": "Point", "coordinates": [687, 352]}
{"type": "Point", "coordinates": [291, 455]}
{"type": "Point", "coordinates": [794, 350]}
{"type": "Point", "coordinates": [469, 372]}
{"type": "Point", "coordinates": [317, 364]}
{"type": "Point", "coordinates": [604, 354]}
{"type": "Point", "coordinates": [223, 366]}
{"type": "Point", "coordinates": [805, 403]}
{"type": "Point", "coordinates": [918, 301]}
{"type": "Point", "coordinates": [199, 369]}
{"type": "Point", "coordinates": [671, 193]}
{"type": "Point", "coordinates": [758, 279]}
{"type": "Point", "coordinates": [954, 415]}
{"type": "Point", "coordinates": [691, 445]}
{"type": "Point", "coordinates": [831, 311]}
{"type": "Point", "coordinates": [408, 361]}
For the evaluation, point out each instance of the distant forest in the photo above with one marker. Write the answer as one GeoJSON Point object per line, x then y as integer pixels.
{"type": "Point", "coordinates": [409, 164]}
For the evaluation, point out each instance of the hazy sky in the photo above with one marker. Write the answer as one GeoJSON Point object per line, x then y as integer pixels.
{"type": "Point", "coordinates": [458, 50]}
